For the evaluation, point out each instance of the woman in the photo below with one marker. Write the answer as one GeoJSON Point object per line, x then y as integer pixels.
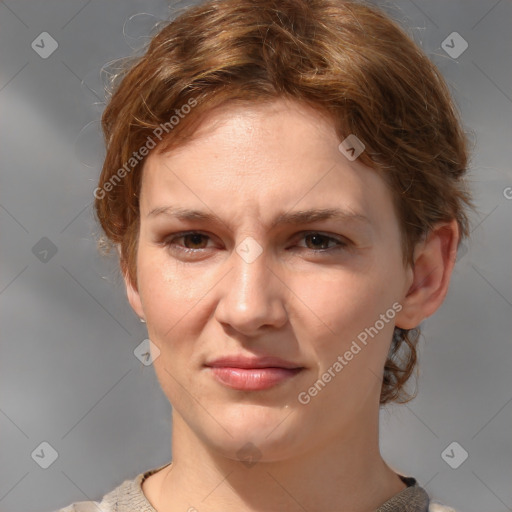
{"type": "Point", "coordinates": [284, 184]}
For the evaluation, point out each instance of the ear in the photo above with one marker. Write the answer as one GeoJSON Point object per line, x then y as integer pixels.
{"type": "Point", "coordinates": [131, 290]}
{"type": "Point", "coordinates": [133, 297]}
{"type": "Point", "coordinates": [433, 261]}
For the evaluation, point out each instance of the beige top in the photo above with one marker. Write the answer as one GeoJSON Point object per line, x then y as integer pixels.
{"type": "Point", "coordinates": [128, 497]}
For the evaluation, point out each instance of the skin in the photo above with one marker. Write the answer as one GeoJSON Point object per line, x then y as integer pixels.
{"type": "Point", "coordinates": [303, 299]}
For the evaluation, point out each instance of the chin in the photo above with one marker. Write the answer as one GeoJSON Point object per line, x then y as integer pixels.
{"type": "Point", "coordinates": [257, 433]}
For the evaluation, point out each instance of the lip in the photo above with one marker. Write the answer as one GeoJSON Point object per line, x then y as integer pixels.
{"type": "Point", "coordinates": [252, 362]}
{"type": "Point", "coordinates": [252, 373]}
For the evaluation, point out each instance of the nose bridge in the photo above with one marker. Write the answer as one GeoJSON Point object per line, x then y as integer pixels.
{"type": "Point", "coordinates": [249, 274]}
{"type": "Point", "coordinates": [252, 296]}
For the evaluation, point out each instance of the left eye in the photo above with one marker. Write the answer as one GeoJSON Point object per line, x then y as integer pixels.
{"type": "Point", "coordinates": [318, 241]}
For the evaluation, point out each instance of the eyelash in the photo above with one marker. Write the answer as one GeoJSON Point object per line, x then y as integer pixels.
{"type": "Point", "coordinates": [341, 244]}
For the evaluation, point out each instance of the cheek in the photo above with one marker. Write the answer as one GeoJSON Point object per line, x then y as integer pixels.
{"type": "Point", "coordinates": [178, 301]}
{"type": "Point", "coordinates": [343, 319]}
{"type": "Point", "coordinates": [341, 311]}
{"type": "Point", "coordinates": [342, 303]}
{"type": "Point", "coordinates": [171, 300]}
{"type": "Point", "coordinates": [170, 296]}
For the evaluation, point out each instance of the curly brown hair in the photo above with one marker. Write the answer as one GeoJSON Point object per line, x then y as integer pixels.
{"type": "Point", "coordinates": [346, 59]}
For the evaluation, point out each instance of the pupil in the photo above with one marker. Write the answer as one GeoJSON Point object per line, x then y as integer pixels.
{"type": "Point", "coordinates": [195, 239]}
{"type": "Point", "coordinates": [317, 240]}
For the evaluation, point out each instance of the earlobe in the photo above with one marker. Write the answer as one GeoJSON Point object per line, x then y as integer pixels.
{"type": "Point", "coordinates": [434, 259]}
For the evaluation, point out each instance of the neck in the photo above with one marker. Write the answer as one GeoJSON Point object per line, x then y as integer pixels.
{"type": "Point", "coordinates": [343, 473]}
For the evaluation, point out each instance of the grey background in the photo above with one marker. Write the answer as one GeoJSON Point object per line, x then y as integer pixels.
{"type": "Point", "coordinates": [68, 375]}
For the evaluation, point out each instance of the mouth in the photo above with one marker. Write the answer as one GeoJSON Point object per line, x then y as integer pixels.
{"type": "Point", "coordinates": [252, 374]}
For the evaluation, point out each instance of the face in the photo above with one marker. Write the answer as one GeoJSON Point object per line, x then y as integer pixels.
{"type": "Point", "coordinates": [270, 276]}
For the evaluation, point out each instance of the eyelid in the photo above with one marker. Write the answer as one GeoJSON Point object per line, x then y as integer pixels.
{"type": "Point", "coordinates": [326, 234]}
{"type": "Point", "coordinates": [176, 236]}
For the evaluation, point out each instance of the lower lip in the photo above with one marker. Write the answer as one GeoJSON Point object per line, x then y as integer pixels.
{"type": "Point", "coordinates": [252, 379]}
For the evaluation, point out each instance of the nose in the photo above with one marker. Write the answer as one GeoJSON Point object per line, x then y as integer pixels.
{"type": "Point", "coordinates": [253, 296]}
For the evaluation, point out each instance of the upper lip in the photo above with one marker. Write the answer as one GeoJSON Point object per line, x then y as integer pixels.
{"type": "Point", "coordinates": [252, 362]}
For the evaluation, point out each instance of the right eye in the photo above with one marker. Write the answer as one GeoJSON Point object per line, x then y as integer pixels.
{"type": "Point", "coordinates": [190, 242]}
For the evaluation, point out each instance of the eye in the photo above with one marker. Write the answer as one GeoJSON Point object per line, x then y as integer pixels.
{"type": "Point", "coordinates": [195, 242]}
{"type": "Point", "coordinates": [320, 242]}
{"type": "Point", "coordinates": [191, 241]}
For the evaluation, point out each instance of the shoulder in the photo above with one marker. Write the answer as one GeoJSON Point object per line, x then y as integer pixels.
{"type": "Point", "coordinates": [417, 496]}
{"type": "Point", "coordinates": [125, 498]}
{"type": "Point", "coordinates": [109, 503]}
{"type": "Point", "coordinates": [121, 499]}
{"type": "Point", "coordinates": [87, 506]}
{"type": "Point", "coordinates": [84, 506]}
{"type": "Point", "coordinates": [91, 506]}
{"type": "Point", "coordinates": [413, 497]}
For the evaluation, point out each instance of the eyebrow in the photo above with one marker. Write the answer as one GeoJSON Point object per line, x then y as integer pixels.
{"type": "Point", "coordinates": [290, 218]}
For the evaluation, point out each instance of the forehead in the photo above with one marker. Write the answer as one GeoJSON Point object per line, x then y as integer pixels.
{"type": "Point", "coordinates": [260, 159]}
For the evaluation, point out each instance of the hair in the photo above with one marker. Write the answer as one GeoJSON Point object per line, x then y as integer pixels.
{"type": "Point", "coordinates": [343, 58]}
